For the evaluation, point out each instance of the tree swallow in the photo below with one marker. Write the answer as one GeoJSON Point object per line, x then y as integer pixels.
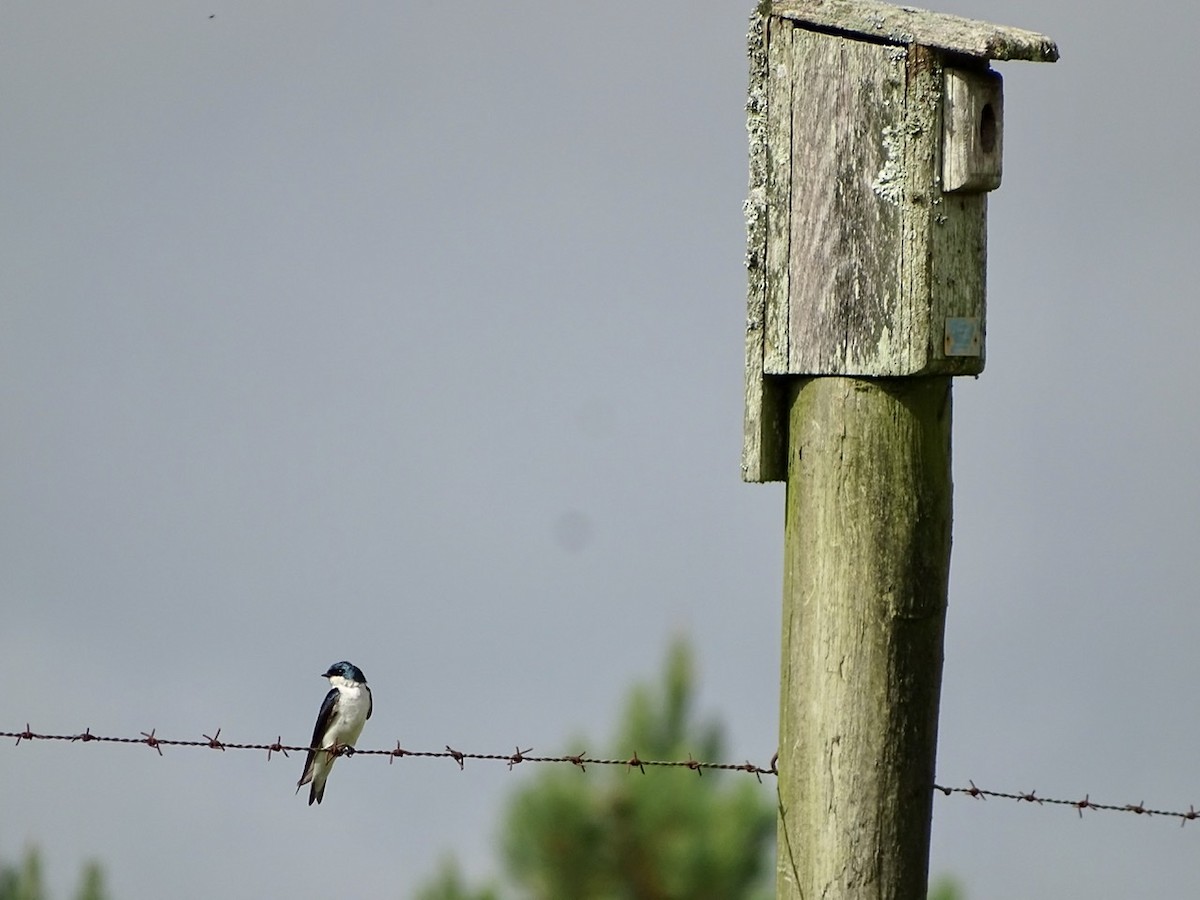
{"type": "Point", "coordinates": [345, 710]}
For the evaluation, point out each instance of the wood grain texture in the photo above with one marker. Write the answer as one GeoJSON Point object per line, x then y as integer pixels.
{"type": "Point", "coordinates": [945, 236]}
{"type": "Point", "coordinates": [973, 136]}
{"type": "Point", "coordinates": [866, 567]}
{"type": "Point", "coordinates": [878, 256]}
{"type": "Point", "coordinates": [908, 25]}
{"type": "Point", "coordinates": [780, 91]}
{"type": "Point", "coordinates": [915, 319]}
{"type": "Point", "coordinates": [764, 424]}
{"type": "Point", "coordinates": [958, 275]}
{"type": "Point", "coordinates": [846, 190]}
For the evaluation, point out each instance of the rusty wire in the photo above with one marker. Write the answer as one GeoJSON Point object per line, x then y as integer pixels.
{"type": "Point", "coordinates": [582, 760]}
{"type": "Point", "coordinates": [1139, 808]}
{"type": "Point", "coordinates": [151, 739]}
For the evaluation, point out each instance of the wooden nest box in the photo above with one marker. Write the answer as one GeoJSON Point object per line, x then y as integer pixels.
{"type": "Point", "coordinates": [875, 134]}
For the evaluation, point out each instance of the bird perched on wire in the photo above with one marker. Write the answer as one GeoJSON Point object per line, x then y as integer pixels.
{"type": "Point", "coordinates": [346, 709]}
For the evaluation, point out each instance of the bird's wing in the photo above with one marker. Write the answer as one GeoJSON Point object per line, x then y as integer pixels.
{"type": "Point", "coordinates": [324, 718]}
{"type": "Point", "coordinates": [370, 701]}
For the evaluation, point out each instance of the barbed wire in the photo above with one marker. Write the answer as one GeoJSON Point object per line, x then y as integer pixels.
{"type": "Point", "coordinates": [152, 740]}
{"type": "Point", "coordinates": [582, 760]}
{"type": "Point", "coordinates": [1139, 808]}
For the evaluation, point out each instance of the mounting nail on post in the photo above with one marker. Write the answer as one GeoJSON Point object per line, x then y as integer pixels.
{"type": "Point", "coordinates": [875, 133]}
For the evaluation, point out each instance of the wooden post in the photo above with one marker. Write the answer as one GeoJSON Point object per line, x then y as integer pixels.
{"type": "Point", "coordinates": [875, 135]}
{"type": "Point", "coordinates": [866, 563]}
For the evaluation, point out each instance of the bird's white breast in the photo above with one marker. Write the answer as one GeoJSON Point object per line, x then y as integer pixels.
{"type": "Point", "coordinates": [354, 700]}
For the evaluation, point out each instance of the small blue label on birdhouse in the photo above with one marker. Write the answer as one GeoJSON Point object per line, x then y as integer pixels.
{"type": "Point", "coordinates": [962, 336]}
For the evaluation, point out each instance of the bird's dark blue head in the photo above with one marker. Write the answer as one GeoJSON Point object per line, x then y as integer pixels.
{"type": "Point", "coordinates": [347, 670]}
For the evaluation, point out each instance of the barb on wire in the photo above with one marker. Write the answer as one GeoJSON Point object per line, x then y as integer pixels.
{"type": "Point", "coordinates": [1087, 802]}
{"type": "Point", "coordinates": [582, 760]}
{"type": "Point", "coordinates": [214, 742]}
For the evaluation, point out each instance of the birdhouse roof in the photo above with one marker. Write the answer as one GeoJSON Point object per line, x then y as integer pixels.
{"type": "Point", "coordinates": [908, 25]}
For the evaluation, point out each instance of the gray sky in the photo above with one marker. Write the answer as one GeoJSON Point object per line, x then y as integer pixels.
{"type": "Point", "coordinates": [412, 334]}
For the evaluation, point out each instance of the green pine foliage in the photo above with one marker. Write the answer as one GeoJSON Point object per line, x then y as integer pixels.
{"type": "Point", "coordinates": [23, 881]}
{"type": "Point", "coordinates": [946, 888]}
{"type": "Point", "coordinates": [608, 833]}
{"type": "Point", "coordinates": [91, 883]}
{"type": "Point", "coordinates": [449, 884]}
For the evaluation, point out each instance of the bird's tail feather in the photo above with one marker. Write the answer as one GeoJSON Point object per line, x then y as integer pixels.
{"type": "Point", "coordinates": [317, 792]}
{"type": "Point", "coordinates": [309, 766]}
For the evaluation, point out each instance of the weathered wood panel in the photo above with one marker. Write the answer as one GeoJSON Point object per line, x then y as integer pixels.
{"type": "Point", "coordinates": [958, 275]}
{"type": "Point", "coordinates": [974, 132]}
{"type": "Point", "coordinates": [847, 187]}
{"type": "Point", "coordinates": [780, 160]}
{"type": "Point", "coordinates": [945, 251]}
{"type": "Point", "coordinates": [764, 425]}
{"type": "Point", "coordinates": [908, 25]}
{"type": "Point", "coordinates": [922, 157]}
